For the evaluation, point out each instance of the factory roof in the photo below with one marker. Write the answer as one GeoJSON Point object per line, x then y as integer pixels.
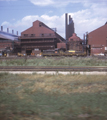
{"type": "Point", "coordinates": [39, 29]}
{"type": "Point", "coordinates": [74, 37]}
{"type": "Point", "coordinates": [8, 36]}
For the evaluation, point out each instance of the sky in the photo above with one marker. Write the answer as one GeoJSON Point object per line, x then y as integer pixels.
{"type": "Point", "coordinates": [18, 15]}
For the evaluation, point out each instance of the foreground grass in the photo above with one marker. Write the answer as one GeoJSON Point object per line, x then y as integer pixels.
{"type": "Point", "coordinates": [55, 61]}
{"type": "Point", "coordinates": [53, 97]}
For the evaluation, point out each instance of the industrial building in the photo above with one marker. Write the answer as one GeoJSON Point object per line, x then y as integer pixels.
{"type": "Point", "coordinates": [69, 26]}
{"type": "Point", "coordinates": [7, 41]}
{"type": "Point", "coordinates": [97, 41]}
{"type": "Point", "coordinates": [40, 37]}
{"type": "Point", "coordinates": [73, 41]}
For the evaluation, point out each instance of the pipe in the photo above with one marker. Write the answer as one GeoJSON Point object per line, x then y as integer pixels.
{"type": "Point", "coordinates": [66, 26]}
{"type": "Point", "coordinates": [12, 31]}
{"type": "Point", "coordinates": [1, 28]}
{"type": "Point", "coordinates": [17, 33]}
{"type": "Point", "coordinates": [7, 30]}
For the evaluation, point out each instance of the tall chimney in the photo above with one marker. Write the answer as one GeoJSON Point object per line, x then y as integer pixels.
{"type": "Point", "coordinates": [83, 36]}
{"type": "Point", "coordinates": [17, 33]}
{"type": "Point", "coordinates": [12, 31]}
{"type": "Point", "coordinates": [69, 19]}
{"type": "Point", "coordinates": [7, 30]}
{"type": "Point", "coordinates": [84, 39]}
{"type": "Point", "coordinates": [66, 26]}
{"type": "Point", "coordinates": [1, 28]}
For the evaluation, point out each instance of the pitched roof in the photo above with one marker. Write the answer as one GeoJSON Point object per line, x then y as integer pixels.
{"type": "Point", "coordinates": [102, 29]}
{"type": "Point", "coordinates": [75, 37]}
{"type": "Point", "coordinates": [40, 28]}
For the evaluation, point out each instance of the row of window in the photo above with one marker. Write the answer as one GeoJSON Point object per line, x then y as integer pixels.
{"type": "Point", "coordinates": [27, 35]}
{"type": "Point", "coordinates": [4, 45]}
{"type": "Point", "coordinates": [5, 41]}
{"type": "Point", "coordinates": [41, 35]}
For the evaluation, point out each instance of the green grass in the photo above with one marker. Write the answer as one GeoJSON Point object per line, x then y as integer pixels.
{"type": "Point", "coordinates": [53, 97]}
{"type": "Point", "coordinates": [55, 61]}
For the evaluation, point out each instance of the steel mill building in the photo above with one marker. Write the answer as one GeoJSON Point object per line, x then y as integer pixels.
{"type": "Point", "coordinates": [8, 41]}
{"type": "Point", "coordinates": [40, 37]}
{"type": "Point", "coordinates": [73, 41]}
{"type": "Point", "coordinates": [97, 41]}
{"type": "Point", "coordinates": [69, 26]}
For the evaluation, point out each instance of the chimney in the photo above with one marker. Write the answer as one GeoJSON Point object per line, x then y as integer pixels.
{"type": "Point", "coordinates": [7, 30]}
{"type": "Point", "coordinates": [84, 39]}
{"type": "Point", "coordinates": [17, 33]}
{"type": "Point", "coordinates": [66, 26]}
{"type": "Point", "coordinates": [1, 28]}
{"type": "Point", "coordinates": [12, 31]}
{"type": "Point", "coordinates": [69, 18]}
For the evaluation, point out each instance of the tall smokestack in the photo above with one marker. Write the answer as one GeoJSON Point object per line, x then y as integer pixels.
{"type": "Point", "coordinates": [71, 27]}
{"type": "Point", "coordinates": [17, 33]}
{"type": "Point", "coordinates": [7, 30]}
{"type": "Point", "coordinates": [1, 28]}
{"type": "Point", "coordinates": [66, 26]}
{"type": "Point", "coordinates": [69, 18]}
{"type": "Point", "coordinates": [84, 37]}
{"type": "Point", "coordinates": [12, 31]}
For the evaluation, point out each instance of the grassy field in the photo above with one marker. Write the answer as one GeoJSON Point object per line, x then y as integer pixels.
{"type": "Point", "coordinates": [55, 61]}
{"type": "Point", "coordinates": [53, 97]}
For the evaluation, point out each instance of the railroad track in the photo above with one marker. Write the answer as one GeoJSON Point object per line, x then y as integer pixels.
{"type": "Point", "coordinates": [32, 68]}
{"type": "Point", "coordinates": [33, 57]}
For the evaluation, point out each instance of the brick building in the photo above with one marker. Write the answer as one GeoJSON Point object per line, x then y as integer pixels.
{"type": "Point", "coordinates": [75, 43]}
{"type": "Point", "coordinates": [97, 41]}
{"type": "Point", "coordinates": [7, 40]}
{"type": "Point", "coordinates": [39, 37]}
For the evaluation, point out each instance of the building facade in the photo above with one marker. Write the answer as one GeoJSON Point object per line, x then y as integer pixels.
{"type": "Point", "coordinates": [7, 40]}
{"type": "Point", "coordinates": [39, 37]}
{"type": "Point", "coordinates": [97, 41]}
{"type": "Point", "coordinates": [75, 43]}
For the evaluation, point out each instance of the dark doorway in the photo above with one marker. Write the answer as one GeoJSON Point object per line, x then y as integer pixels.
{"type": "Point", "coordinates": [28, 51]}
{"type": "Point", "coordinates": [88, 49]}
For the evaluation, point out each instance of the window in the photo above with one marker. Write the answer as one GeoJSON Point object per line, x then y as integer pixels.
{"type": "Point", "coordinates": [32, 35]}
{"type": "Point", "coordinates": [25, 35]}
{"type": "Point", "coordinates": [42, 35]}
{"type": "Point", "coordinates": [71, 39]}
{"type": "Point", "coordinates": [40, 24]}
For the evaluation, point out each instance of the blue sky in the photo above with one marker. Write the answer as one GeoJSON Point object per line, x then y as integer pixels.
{"type": "Point", "coordinates": [87, 14]}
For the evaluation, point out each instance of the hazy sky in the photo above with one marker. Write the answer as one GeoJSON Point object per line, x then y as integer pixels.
{"type": "Point", "coordinates": [87, 14]}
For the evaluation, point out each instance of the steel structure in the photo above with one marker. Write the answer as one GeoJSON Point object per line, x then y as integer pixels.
{"type": "Point", "coordinates": [69, 26]}
{"type": "Point", "coordinates": [7, 41]}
